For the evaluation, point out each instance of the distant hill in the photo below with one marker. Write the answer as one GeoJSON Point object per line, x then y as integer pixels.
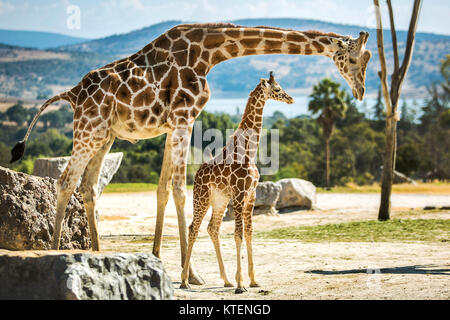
{"type": "Point", "coordinates": [37, 39]}
{"type": "Point", "coordinates": [40, 72]}
{"type": "Point", "coordinates": [122, 44]}
{"type": "Point", "coordinates": [31, 73]}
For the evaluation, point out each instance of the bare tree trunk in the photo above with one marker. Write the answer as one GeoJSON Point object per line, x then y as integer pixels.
{"type": "Point", "coordinates": [327, 160]}
{"type": "Point", "coordinates": [388, 169]}
{"type": "Point", "coordinates": [392, 97]}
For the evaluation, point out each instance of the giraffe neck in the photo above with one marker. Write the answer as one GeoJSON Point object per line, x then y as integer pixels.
{"type": "Point", "coordinates": [226, 43]}
{"type": "Point", "coordinates": [243, 144]}
{"type": "Point", "coordinates": [252, 118]}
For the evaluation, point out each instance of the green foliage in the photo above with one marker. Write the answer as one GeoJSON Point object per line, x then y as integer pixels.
{"type": "Point", "coordinates": [423, 144]}
{"type": "Point", "coordinates": [330, 101]}
{"type": "Point", "coordinates": [17, 113]}
{"type": "Point", "coordinates": [25, 166]}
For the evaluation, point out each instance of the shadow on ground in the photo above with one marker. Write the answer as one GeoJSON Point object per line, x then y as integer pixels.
{"type": "Point", "coordinates": [416, 269]}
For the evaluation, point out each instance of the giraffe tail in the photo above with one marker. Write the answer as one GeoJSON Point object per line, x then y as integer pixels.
{"type": "Point", "coordinates": [19, 149]}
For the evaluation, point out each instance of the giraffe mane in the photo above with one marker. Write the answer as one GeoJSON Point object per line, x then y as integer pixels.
{"type": "Point", "coordinates": [231, 25]}
{"type": "Point", "coordinates": [321, 33]}
{"type": "Point", "coordinates": [210, 25]}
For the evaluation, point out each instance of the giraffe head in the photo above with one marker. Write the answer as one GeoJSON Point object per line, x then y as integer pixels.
{"type": "Point", "coordinates": [351, 58]}
{"type": "Point", "coordinates": [274, 91]}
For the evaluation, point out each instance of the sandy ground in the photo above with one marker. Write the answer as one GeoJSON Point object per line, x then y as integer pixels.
{"type": "Point", "coordinates": [288, 269]}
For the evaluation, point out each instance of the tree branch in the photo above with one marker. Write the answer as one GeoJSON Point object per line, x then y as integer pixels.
{"type": "Point", "coordinates": [394, 38]}
{"type": "Point", "coordinates": [383, 73]}
{"type": "Point", "coordinates": [410, 41]}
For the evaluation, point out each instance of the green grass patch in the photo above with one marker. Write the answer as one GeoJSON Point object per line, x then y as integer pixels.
{"type": "Point", "coordinates": [424, 188]}
{"type": "Point", "coordinates": [367, 231]}
{"type": "Point", "coordinates": [131, 187]}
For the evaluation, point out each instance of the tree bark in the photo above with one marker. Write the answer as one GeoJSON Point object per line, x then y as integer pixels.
{"type": "Point", "coordinates": [327, 160]}
{"type": "Point", "coordinates": [388, 169]}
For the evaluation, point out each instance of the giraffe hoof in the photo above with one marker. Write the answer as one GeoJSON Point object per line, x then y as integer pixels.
{"type": "Point", "coordinates": [254, 285]}
{"type": "Point", "coordinates": [228, 285]}
{"type": "Point", "coordinates": [196, 279]}
{"type": "Point", "coordinates": [185, 286]}
{"type": "Point", "coordinates": [240, 290]}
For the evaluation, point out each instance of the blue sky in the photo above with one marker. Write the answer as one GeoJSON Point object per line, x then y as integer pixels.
{"type": "Point", "coordinates": [102, 18]}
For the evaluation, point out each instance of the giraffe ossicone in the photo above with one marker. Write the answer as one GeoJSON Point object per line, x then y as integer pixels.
{"type": "Point", "coordinates": [161, 89]}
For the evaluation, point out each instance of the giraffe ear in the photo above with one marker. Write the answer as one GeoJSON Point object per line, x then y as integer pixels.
{"type": "Point", "coordinates": [264, 82]}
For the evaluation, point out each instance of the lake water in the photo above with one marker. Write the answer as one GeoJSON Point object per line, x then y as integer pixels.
{"type": "Point", "coordinates": [299, 107]}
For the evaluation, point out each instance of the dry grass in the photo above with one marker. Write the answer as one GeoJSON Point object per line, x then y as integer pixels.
{"type": "Point", "coordinates": [367, 231]}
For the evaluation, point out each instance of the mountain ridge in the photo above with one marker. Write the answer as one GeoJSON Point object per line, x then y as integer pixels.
{"type": "Point", "coordinates": [33, 76]}
{"type": "Point", "coordinates": [37, 39]}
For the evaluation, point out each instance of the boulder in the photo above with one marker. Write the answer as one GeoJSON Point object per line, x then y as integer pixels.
{"type": "Point", "coordinates": [59, 275]}
{"type": "Point", "coordinates": [53, 167]}
{"type": "Point", "coordinates": [296, 193]}
{"type": "Point", "coordinates": [267, 194]}
{"type": "Point", "coordinates": [28, 210]}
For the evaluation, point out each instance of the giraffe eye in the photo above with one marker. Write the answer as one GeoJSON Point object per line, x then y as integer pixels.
{"type": "Point", "coordinates": [352, 60]}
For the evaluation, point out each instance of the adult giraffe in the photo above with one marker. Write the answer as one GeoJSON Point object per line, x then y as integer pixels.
{"type": "Point", "coordinates": [162, 89]}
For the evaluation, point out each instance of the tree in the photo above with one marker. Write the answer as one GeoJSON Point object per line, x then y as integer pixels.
{"type": "Point", "coordinates": [17, 113]}
{"type": "Point", "coordinates": [378, 108]}
{"type": "Point", "coordinates": [329, 100]}
{"type": "Point", "coordinates": [435, 126]}
{"type": "Point", "coordinates": [392, 95]}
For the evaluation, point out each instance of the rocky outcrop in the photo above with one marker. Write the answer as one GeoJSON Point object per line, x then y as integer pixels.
{"type": "Point", "coordinates": [53, 167]}
{"type": "Point", "coordinates": [267, 194]}
{"type": "Point", "coordinates": [296, 193]}
{"type": "Point", "coordinates": [59, 275]}
{"type": "Point", "coordinates": [27, 214]}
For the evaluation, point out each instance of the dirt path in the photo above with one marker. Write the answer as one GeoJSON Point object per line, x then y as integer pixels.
{"type": "Point", "coordinates": [135, 213]}
{"type": "Point", "coordinates": [289, 269]}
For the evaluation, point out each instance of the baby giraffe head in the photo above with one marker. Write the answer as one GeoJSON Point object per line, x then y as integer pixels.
{"type": "Point", "coordinates": [274, 91]}
{"type": "Point", "coordinates": [351, 58]}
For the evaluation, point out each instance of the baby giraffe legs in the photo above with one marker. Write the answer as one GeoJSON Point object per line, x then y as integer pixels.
{"type": "Point", "coordinates": [248, 229]}
{"type": "Point", "coordinates": [213, 230]}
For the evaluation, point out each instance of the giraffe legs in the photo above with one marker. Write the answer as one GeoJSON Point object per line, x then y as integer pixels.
{"type": "Point", "coordinates": [82, 152]}
{"type": "Point", "coordinates": [174, 168]}
{"type": "Point", "coordinates": [200, 209]}
{"type": "Point", "coordinates": [213, 230]}
{"type": "Point", "coordinates": [180, 148]}
{"type": "Point", "coordinates": [163, 193]}
{"type": "Point", "coordinates": [88, 189]}
{"type": "Point", "coordinates": [238, 207]}
{"type": "Point", "coordinates": [64, 187]}
{"type": "Point", "coordinates": [248, 211]}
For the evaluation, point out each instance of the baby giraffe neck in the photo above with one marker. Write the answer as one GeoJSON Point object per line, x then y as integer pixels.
{"type": "Point", "coordinates": [253, 113]}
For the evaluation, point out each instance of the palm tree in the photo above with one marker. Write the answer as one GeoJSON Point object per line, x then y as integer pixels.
{"type": "Point", "coordinates": [329, 100]}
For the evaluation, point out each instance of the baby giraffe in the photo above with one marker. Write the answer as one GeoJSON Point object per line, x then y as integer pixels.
{"type": "Point", "coordinates": [232, 174]}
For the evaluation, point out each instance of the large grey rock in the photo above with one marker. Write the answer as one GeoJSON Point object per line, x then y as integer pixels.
{"type": "Point", "coordinates": [267, 194]}
{"type": "Point", "coordinates": [59, 275]}
{"type": "Point", "coordinates": [266, 197]}
{"type": "Point", "coordinates": [296, 193]}
{"type": "Point", "coordinates": [27, 214]}
{"type": "Point", "coordinates": [53, 167]}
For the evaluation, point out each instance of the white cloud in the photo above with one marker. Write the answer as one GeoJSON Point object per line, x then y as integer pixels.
{"type": "Point", "coordinates": [6, 8]}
